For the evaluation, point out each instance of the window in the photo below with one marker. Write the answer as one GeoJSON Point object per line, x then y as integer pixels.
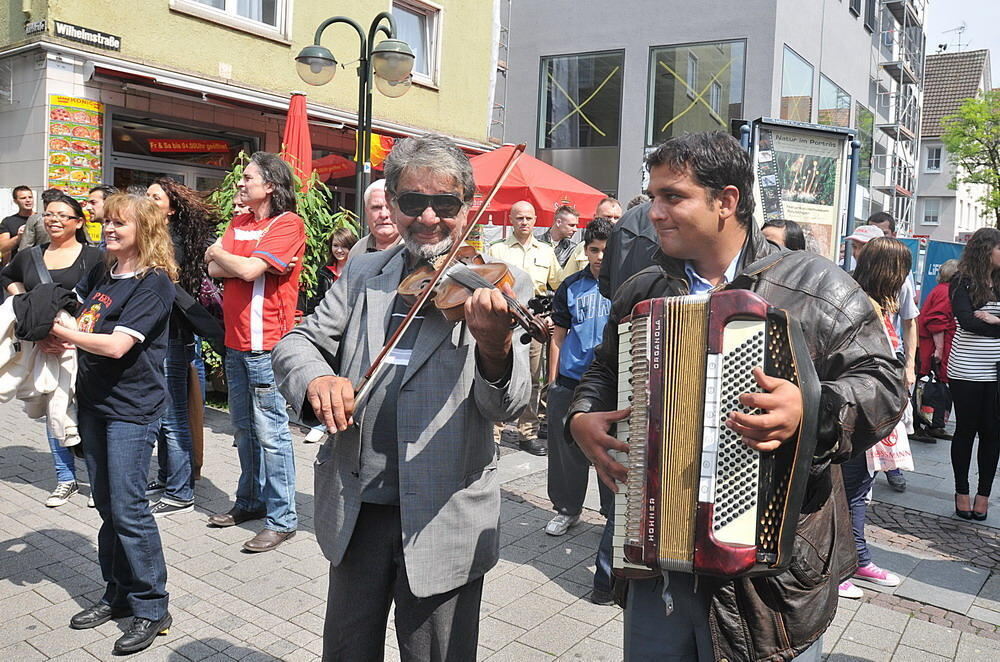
{"type": "Point", "coordinates": [581, 98]}
{"type": "Point", "coordinates": [932, 211]}
{"type": "Point", "coordinates": [856, 7]}
{"type": "Point", "coordinates": [267, 18]}
{"type": "Point", "coordinates": [933, 163]}
{"type": "Point", "coordinates": [864, 122]}
{"type": "Point", "coordinates": [419, 25]}
{"type": "Point", "coordinates": [796, 88]}
{"type": "Point", "coordinates": [692, 74]}
{"type": "Point", "coordinates": [871, 7]}
{"type": "Point", "coordinates": [704, 96]}
{"type": "Point", "coordinates": [834, 104]}
{"type": "Point", "coordinates": [715, 98]}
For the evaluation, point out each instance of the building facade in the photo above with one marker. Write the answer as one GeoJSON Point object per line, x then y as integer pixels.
{"type": "Point", "coordinates": [591, 92]}
{"type": "Point", "coordinates": [945, 213]}
{"type": "Point", "coordinates": [92, 92]}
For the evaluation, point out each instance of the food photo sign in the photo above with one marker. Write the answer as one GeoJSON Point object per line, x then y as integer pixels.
{"type": "Point", "coordinates": [75, 144]}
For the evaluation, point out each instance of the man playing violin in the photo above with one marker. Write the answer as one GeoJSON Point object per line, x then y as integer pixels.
{"type": "Point", "coordinates": [407, 498]}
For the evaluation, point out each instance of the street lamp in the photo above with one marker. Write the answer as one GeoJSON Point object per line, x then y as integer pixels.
{"type": "Point", "coordinates": [391, 62]}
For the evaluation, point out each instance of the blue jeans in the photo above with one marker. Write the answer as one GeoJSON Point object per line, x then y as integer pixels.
{"type": "Point", "coordinates": [857, 484]}
{"type": "Point", "coordinates": [62, 458]}
{"type": "Point", "coordinates": [263, 442]}
{"type": "Point", "coordinates": [174, 448]}
{"type": "Point", "coordinates": [128, 544]}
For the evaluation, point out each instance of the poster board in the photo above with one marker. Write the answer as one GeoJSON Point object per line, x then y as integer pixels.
{"type": "Point", "coordinates": [801, 173]}
{"type": "Point", "coordinates": [938, 252]}
{"type": "Point", "coordinates": [75, 144]}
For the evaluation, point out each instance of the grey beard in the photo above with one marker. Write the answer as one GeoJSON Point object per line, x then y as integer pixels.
{"type": "Point", "coordinates": [427, 251]}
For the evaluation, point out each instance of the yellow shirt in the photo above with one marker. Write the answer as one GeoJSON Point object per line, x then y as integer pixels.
{"type": "Point", "coordinates": [537, 259]}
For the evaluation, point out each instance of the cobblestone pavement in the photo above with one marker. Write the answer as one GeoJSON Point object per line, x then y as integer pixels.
{"type": "Point", "coordinates": [231, 605]}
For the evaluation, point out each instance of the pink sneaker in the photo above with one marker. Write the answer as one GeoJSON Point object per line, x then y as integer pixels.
{"type": "Point", "coordinates": [877, 575]}
{"type": "Point", "coordinates": [849, 590]}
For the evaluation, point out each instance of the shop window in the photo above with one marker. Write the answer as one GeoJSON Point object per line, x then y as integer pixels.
{"type": "Point", "coordinates": [796, 87]}
{"type": "Point", "coordinates": [933, 162]}
{"type": "Point", "coordinates": [932, 211]}
{"type": "Point", "coordinates": [163, 141]}
{"type": "Point", "coordinates": [698, 87]}
{"type": "Point", "coordinates": [581, 98]}
{"type": "Point", "coordinates": [834, 104]}
{"type": "Point", "coordinates": [864, 122]}
{"type": "Point", "coordinates": [268, 18]}
{"type": "Point", "coordinates": [419, 25]}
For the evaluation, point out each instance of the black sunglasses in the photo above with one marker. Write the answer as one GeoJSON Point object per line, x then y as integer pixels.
{"type": "Point", "coordinates": [445, 205]}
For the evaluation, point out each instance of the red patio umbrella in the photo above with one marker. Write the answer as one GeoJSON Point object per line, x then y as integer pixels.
{"type": "Point", "coordinates": [296, 143]}
{"type": "Point", "coordinates": [545, 187]}
{"type": "Point", "coordinates": [334, 166]}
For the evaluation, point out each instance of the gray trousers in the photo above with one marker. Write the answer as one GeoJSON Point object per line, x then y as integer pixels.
{"type": "Point", "coordinates": [684, 635]}
{"type": "Point", "coordinates": [372, 576]}
{"type": "Point", "coordinates": [569, 469]}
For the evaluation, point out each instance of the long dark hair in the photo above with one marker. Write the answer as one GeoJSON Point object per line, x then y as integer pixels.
{"type": "Point", "coordinates": [342, 237]}
{"type": "Point", "coordinates": [976, 267]}
{"type": "Point", "coordinates": [795, 239]}
{"type": "Point", "coordinates": [193, 226]}
{"type": "Point", "coordinates": [278, 174]}
{"type": "Point", "coordinates": [882, 267]}
{"type": "Point", "coordinates": [59, 196]}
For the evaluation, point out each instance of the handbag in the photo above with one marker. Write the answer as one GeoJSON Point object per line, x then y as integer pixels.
{"type": "Point", "coordinates": [893, 452]}
{"type": "Point", "coordinates": [40, 269]}
{"type": "Point", "coordinates": [209, 296]}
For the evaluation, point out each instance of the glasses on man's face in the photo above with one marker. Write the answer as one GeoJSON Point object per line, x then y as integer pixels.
{"type": "Point", "coordinates": [445, 205]}
{"type": "Point", "coordinates": [58, 217]}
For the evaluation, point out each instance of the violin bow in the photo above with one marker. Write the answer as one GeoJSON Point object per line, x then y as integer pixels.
{"type": "Point", "coordinates": [369, 377]}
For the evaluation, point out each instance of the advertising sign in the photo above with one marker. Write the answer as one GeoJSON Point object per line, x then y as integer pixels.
{"type": "Point", "coordinates": [938, 252]}
{"type": "Point", "coordinates": [800, 176]}
{"type": "Point", "coordinates": [75, 126]}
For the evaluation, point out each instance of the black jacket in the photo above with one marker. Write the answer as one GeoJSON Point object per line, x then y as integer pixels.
{"type": "Point", "coordinates": [777, 618]}
{"type": "Point", "coordinates": [630, 249]}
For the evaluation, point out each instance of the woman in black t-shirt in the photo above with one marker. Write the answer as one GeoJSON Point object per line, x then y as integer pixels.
{"type": "Point", "coordinates": [64, 260]}
{"type": "Point", "coordinates": [121, 396]}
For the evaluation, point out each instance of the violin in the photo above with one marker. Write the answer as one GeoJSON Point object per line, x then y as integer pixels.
{"type": "Point", "coordinates": [468, 272]}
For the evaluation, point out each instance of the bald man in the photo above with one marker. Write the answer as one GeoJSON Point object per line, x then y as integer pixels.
{"type": "Point", "coordinates": [523, 250]}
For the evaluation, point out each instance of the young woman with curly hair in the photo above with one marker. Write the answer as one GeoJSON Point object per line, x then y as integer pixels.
{"type": "Point", "coordinates": [121, 338]}
{"type": "Point", "coordinates": [972, 369]}
{"type": "Point", "coordinates": [192, 229]}
{"type": "Point", "coordinates": [883, 265]}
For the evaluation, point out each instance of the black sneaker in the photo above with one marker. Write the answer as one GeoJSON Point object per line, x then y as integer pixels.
{"type": "Point", "coordinates": [155, 487]}
{"type": "Point", "coordinates": [141, 633]}
{"type": "Point", "coordinates": [604, 598]}
{"type": "Point", "coordinates": [162, 508]}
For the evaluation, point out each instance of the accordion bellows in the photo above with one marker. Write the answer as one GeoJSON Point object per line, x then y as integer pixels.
{"type": "Point", "coordinates": [697, 498]}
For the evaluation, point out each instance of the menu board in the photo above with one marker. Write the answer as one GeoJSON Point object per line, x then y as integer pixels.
{"type": "Point", "coordinates": [75, 127]}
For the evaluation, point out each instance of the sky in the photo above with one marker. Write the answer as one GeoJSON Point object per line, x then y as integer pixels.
{"type": "Point", "coordinates": [982, 20]}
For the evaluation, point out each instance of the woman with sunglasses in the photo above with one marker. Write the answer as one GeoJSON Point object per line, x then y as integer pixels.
{"type": "Point", "coordinates": [63, 260]}
{"type": "Point", "coordinates": [121, 396]}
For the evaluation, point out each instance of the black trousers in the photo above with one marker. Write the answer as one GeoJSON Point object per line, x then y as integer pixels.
{"type": "Point", "coordinates": [976, 413]}
{"type": "Point", "coordinates": [370, 578]}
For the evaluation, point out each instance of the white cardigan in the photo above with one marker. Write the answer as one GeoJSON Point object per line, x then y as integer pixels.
{"type": "Point", "coordinates": [46, 383]}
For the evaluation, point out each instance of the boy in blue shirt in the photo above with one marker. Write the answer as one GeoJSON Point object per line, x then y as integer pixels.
{"type": "Point", "coordinates": [579, 314]}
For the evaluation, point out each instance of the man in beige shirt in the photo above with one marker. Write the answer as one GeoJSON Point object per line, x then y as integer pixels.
{"type": "Point", "coordinates": [523, 250]}
{"type": "Point", "coordinates": [608, 208]}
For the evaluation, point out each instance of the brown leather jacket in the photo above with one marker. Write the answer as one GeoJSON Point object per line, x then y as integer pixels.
{"type": "Point", "coordinates": [778, 617]}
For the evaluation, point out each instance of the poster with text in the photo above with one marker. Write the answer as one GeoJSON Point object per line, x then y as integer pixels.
{"type": "Point", "coordinates": [75, 140]}
{"type": "Point", "coordinates": [800, 177]}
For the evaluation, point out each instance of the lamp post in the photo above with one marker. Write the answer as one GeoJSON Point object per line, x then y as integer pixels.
{"type": "Point", "coordinates": [390, 63]}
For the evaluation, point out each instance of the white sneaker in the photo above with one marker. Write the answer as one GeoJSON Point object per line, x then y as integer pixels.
{"type": "Point", "coordinates": [315, 434]}
{"type": "Point", "coordinates": [90, 502]}
{"type": "Point", "coordinates": [849, 590]}
{"type": "Point", "coordinates": [560, 524]}
{"type": "Point", "coordinates": [61, 494]}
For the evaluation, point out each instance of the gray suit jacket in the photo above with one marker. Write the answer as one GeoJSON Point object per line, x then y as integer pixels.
{"type": "Point", "coordinates": [449, 495]}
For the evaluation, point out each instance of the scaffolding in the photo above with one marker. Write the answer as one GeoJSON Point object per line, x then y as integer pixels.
{"type": "Point", "coordinates": [898, 81]}
{"type": "Point", "coordinates": [499, 116]}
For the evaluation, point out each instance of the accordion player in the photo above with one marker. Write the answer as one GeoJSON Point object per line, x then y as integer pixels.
{"type": "Point", "coordinates": [697, 499]}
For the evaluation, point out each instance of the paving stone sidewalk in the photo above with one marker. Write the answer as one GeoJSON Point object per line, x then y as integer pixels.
{"type": "Point", "coordinates": [231, 605]}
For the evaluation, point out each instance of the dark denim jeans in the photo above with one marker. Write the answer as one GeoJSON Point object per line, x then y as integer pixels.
{"type": "Point", "coordinates": [264, 444]}
{"type": "Point", "coordinates": [173, 449]}
{"type": "Point", "coordinates": [857, 484]}
{"type": "Point", "coordinates": [128, 544]}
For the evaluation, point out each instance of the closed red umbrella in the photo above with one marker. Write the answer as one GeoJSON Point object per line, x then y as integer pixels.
{"type": "Point", "coordinates": [544, 186]}
{"type": "Point", "coordinates": [296, 144]}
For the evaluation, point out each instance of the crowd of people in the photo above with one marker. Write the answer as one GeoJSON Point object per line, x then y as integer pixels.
{"type": "Point", "coordinates": [407, 496]}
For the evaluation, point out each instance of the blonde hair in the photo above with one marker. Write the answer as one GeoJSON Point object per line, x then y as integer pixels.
{"type": "Point", "coordinates": [152, 238]}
